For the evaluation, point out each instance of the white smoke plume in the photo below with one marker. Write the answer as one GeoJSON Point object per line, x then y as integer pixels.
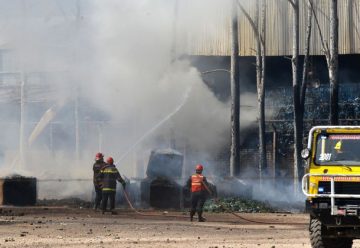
{"type": "Point", "coordinates": [118, 59]}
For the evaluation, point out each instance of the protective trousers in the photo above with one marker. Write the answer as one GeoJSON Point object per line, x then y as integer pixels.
{"type": "Point", "coordinates": [197, 203]}
{"type": "Point", "coordinates": [98, 196]}
{"type": "Point", "coordinates": [108, 195]}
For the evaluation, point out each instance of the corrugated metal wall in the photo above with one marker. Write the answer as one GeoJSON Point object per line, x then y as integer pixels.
{"type": "Point", "coordinates": [213, 37]}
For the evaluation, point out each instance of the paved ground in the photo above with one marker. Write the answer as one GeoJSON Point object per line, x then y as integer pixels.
{"type": "Point", "coordinates": [68, 227]}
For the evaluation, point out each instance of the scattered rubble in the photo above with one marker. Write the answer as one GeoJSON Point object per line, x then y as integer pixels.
{"type": "Point", "coordinates": [69, 202]}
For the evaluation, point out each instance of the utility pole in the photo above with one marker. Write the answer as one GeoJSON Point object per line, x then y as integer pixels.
{"type": "Point", "coordinates": [77, 127]}
{"type": "Point", "coordinates": [235, 95]}
{"type": "Point", "coordinates": [76, 102]}
{"type": "Point", "coordinates": [172, 139]}
{"type": "Point", "coordinates": [174, 30]}
{"type": "Point", "coordinates": [22, 122]}
{"type": "Point", "coordinates": [22, 96]}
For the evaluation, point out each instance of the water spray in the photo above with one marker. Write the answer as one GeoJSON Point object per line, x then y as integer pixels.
{"type": "Point", "coordinates": [160, 123]}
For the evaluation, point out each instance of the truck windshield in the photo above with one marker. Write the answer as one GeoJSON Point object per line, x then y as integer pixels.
{"type": "Point", "coordinates": [338, 149]}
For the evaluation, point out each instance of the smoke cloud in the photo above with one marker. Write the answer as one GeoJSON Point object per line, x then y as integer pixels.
{"type": "Point", "coordinates": [113, 68]}
{"type": "Point", "coordinates": [115, 60]}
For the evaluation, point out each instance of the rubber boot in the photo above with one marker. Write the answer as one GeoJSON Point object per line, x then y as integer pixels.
{"type": "Point", "coordinates": [192, 213]}
{"type": "Point", "coordinates": [96, 207]}
{"type": "Point", "coordinates": [201, 219]}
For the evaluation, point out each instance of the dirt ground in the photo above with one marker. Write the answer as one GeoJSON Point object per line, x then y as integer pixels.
{"type": "Point", "coordinates": [70, 227]}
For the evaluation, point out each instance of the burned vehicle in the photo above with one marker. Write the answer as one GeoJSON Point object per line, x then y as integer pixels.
{"type": "Point", "coordinates": [164, 185]}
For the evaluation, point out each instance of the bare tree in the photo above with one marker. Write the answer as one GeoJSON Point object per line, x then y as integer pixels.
{"type": "Point", "coordinates": [261, 88]}
{"type": "Point", "coordinates": [235, 95]}
{"type": "Point", "coordinates": [333, 63]}
{"type": "Point", "coordinates": [296, 92]}
{"type": "Point", "coordinates": [304, 77]}
{"type": "Point", "coordinates": [259, 31]}
{"type": "Point", "coordinates": [331, 54]}
{"type": "Point", "coordinates": [306, 55]}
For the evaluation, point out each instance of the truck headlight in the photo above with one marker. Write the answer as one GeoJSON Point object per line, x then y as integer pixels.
{"type": "Point", "coordinates": [305, 153]}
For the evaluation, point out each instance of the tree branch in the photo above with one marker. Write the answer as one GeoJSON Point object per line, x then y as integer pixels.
{"type": "Point", "coordinates": [251, 21]}
{"type": "Point", "coordinates": [215, 70]}
{"type": "Point", "coordinates": [306, 57]}
{"type": "Point", "coordinates": [292, 3]}
{"type": "Point", "coordinates": [323, 43]}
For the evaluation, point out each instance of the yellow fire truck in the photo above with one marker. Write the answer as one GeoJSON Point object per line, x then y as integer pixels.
{"type": "Point", "coordinates": [332, 185]}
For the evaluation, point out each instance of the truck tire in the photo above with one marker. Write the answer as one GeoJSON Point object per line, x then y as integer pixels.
{"type": "Point", "coordinates": [317, 240]}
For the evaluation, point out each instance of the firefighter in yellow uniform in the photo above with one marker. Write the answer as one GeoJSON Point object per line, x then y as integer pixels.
{"type": "Point", "coordinates": [108, 176]}
{"type": "Point", "coordinates": [197, 184]}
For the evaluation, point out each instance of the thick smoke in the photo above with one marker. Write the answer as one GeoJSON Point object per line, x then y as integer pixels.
{"type": "Point", "coordinates": [117, 59]}
{"type": "Point", "coordinates": [119, 66]}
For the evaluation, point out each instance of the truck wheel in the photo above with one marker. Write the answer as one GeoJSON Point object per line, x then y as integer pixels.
{"type": "Point", "coordinates": [317, 240]}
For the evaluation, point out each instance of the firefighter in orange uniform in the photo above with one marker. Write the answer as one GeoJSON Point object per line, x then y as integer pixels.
{"type": "Point", "coordinates": [197, 184]}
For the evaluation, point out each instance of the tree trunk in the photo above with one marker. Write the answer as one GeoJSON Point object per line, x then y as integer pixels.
{"type": "Point", "coordinates": [306, 57]}
{"type": "Point", "coordinates": [304, 79]}
{"type": "Point", "coordinates": [261, 92]}
{"type": "Point", "coordinates": [260, 77]}
{"type": "Point", "coordinates": [259, 66]}
{"type": "Point", "coordinates": [333, 63]}
{"type": "Point", "coordinates": [296, 92]}
{"type": "Point", "coordinates": [235, 95]}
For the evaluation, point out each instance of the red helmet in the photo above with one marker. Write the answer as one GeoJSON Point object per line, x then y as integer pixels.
{"type": "Point", "coordinates": [110, 160]}
{"type": "Point", "coordinates": [199, 167]}
{"type": "Point", "coordinates": [99, 156]}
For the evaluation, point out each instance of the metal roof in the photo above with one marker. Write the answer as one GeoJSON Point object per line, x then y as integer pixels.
{"type": "Point", "coordinates": [213, 37]}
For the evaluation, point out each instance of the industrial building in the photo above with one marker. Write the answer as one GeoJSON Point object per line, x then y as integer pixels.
{"type": "Point", "coordinates": [80, 128]}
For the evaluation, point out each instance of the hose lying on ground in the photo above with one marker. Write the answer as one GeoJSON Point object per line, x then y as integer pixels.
{"type": "Point", "coordinates": [177, 216]}
{"type": "Point", "coordinates": [148, 214]}
{"type": "Point", "coordinates": [187, 217]}
{"type": "Point", "coordinates": [239, 216]}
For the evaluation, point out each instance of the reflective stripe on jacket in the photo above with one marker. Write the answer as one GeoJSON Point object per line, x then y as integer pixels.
{"type": "Point", "coordinates": [197, 181]}
{"type": "Point", "coordinates": [108, 189]}
{"type": "Point", "coordinates": [109, 175]}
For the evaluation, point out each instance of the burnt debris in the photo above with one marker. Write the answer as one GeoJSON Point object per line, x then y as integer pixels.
{"type": "Point", "coordinates": [162, 187]}
{"type": "Point", "coordinates": [18, 191]}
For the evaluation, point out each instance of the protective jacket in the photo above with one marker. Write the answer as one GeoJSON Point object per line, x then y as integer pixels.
{"type": "Point", "coordinates": [97, 167]}
{"type": "Point", "coordinates": [108, 176]}
{"type": "Point", "coordinates": [196, 183]}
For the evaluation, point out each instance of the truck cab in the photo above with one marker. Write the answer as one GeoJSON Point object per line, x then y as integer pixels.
{"type": "Point", "coordinates": [332, 185]}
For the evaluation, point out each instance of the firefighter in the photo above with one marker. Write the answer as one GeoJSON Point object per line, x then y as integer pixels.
{"type": "Point", "coordinates": [109, 175]}
{"type": "Point", "coordinates": [198, 186]}
{"type": "Point", "coordinates": [97, 167]}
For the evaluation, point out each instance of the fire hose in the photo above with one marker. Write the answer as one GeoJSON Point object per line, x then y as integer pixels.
{"type": "Point", "coordinates": [216, 200]}
{"type": "Point", "coordinates": [127, 198]}
{"type": "Point", "coordinates": [238, 215]}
